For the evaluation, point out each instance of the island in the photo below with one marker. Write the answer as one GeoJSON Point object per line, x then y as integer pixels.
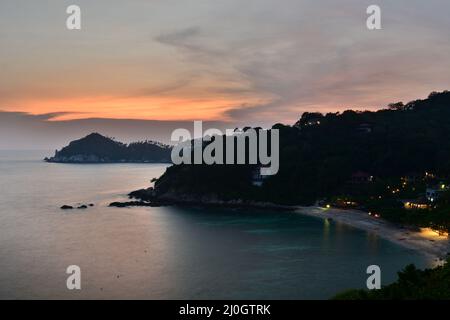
{"type": "Point", "coordinates": [96, 148]}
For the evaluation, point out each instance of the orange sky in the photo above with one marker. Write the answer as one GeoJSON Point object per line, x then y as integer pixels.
{"type": "Point", "coordinates": [217, 60]}
{"type": "Point", "coordinates": [160, 108]}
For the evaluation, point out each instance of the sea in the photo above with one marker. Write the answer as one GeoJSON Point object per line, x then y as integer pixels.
{"type": "Point", "coordinates": [167, 252]}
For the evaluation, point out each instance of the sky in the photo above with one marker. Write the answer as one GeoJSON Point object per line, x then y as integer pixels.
{"type": "Point", "coordinates": [255, 62]}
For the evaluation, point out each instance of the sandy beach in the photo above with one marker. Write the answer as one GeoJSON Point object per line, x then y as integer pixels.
{"type": "Point", "coordinates": [426, 241]}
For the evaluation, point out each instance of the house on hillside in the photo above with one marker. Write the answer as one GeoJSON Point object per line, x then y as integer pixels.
{"type": "Point", "coordinates": [364, 128]}
{"type": "Point", "coordinates": [412, 177]}
{"type": "Point", "coordinates": [416, 204]}
{"type": "Point", "coordinates": [433, 193]}
{"type": "Point", "coordinates": [309, 119]}
{"type": "Point", "coordinates": [361, 177]}
{"type": "Point", "coordinates": [257, 178]}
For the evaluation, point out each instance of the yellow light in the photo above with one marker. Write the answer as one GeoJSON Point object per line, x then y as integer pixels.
{"type": "Point", "coordinates": [443, 186]}
{"type": "Point", "coordinates": [328, 206]}
{"type": "Point", "coordinates": [429, 232]}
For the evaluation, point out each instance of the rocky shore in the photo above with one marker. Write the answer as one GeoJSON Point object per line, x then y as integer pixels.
{"type": "Point", "coordinates": [133, 204]}
{"type": "Point", "coordinates": [92, 159]}
{"type": "Point", "coordinates": [78, 206]}
{"type": "Point", "coordinates": [148, 197]}
{"type": "Point", "coordinates": [436, 247]}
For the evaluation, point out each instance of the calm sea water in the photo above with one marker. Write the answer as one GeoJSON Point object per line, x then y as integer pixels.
{"type": "Point", "coordinates": [168, 252]}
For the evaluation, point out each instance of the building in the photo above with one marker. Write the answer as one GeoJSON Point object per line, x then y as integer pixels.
{"type": "Point", "coordinates": [257, 178]}
{"type": "Point", "coordinates": [345, 203]}
{"type": "Point", "coordinates": [361, 177]}
{"type": "Point", "coordinates": [416, 204]}
{"type": "Point", "coordinates": [364, 128]}
{"type": "Point", "coordinates": [412, 178]}
{"type": "Point", "coordinates": [433, 193]}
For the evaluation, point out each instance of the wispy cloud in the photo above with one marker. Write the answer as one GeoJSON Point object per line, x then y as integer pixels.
{"type": "Point", "coordinates": [263, 62]}
{"type": "Point", "coordinates": [21, 130]}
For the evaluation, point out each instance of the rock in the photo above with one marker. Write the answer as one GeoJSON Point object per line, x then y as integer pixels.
{"type": "Point", "coordinates": [118, 204]}
{"type": "Point", "coordinates": [80, 206]}
{"type": "Point", "coordinates": [133, 204]}
{"type": "Point", "coordinates": [143, 194]}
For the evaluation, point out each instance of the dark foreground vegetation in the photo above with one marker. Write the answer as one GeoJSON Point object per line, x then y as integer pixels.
{"type": "Point", "coordinates": [412, 284]}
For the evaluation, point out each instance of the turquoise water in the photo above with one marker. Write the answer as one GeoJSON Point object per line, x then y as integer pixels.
{"type": "Point", "coordinates": [168, 252]}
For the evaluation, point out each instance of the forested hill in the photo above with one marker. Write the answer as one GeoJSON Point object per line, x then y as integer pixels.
{"type": "Point", "coordinates": [96, 148]}
{"type": "Point", "coordinates": [321, 152]}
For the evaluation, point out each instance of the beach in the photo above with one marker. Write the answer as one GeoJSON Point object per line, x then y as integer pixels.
{"type": "Point", "coordinates": [425, 241]}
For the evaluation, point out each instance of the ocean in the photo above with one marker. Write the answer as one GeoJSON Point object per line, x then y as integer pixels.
{"type": "Point", "coordinates": [167, 252]}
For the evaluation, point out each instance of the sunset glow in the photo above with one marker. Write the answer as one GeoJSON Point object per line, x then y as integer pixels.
{"type": "Point", "coordinates": [214, 60]}
{"type": "Point", "coordinates": [159, 108]}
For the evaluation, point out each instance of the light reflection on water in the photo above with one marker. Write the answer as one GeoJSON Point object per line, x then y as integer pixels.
{"type": "Point", "coordinates": [166, 253]}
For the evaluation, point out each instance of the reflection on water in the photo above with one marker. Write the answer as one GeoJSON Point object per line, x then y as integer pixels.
{"type": "Point", "coordinates": [166, 253]}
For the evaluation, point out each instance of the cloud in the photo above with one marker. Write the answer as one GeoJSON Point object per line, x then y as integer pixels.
{"type": "Point", "coordinates": [21, 130]}
{"type": "Point", "coordinates": [191, 41]}
{"type": "Point", "coordinates": [306, 57]}
{"type": "Point", "coordinates": [52, 115]}
{"type": "Point", "coordinates": [264, 61]}
{"type": "Point", "coordinates": [179, 38]}
{"type": "Point", "coordinates": [165, 88]}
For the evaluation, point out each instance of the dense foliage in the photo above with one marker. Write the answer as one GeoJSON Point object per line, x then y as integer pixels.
{"type": "Point", "coordinates": [97, 148]}
{"type": "Point", "coordinates": [412, 284]}
{"type": "Point", "coordinates": [319, 154]}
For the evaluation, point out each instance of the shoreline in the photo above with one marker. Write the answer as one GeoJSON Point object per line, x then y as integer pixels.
{"type": "Point", "coordinates": [425, 241]}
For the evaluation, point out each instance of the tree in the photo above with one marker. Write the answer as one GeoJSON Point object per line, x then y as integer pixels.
{"type": "Point", "coordinates": [396, 106]}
